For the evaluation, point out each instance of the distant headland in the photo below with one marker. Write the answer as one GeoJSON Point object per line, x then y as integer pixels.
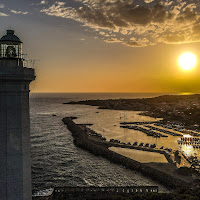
{"type": "Point", "coordinates": [179, 109]}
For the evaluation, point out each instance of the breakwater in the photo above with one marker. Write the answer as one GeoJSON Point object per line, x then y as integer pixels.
{"type": "Point", "coordinates": [163, 175]}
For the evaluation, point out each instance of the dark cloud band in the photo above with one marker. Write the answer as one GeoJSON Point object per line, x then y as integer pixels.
{"type": "Point", "coordinates": [133, 22]}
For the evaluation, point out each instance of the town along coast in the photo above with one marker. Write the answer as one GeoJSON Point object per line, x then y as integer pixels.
{"type": "Point", "coordinates": [181, 110]}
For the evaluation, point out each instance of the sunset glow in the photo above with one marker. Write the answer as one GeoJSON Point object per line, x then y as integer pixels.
{"type": "Point", "coordinates": [108, 46]}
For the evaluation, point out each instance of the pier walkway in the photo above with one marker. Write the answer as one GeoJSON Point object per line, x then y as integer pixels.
{"type": "Point", "coordinates": [100, 192]}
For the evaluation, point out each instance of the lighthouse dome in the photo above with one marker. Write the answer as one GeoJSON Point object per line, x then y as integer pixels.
{"type": "Point", "coordinates": [10, 37]}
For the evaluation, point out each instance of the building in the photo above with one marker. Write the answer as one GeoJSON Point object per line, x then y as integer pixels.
{"type": "Point", "coordinates": [15, 158]}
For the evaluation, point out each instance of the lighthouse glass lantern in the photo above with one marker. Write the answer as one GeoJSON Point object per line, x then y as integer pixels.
{"type": "Point", "coordinates": [10, 47]}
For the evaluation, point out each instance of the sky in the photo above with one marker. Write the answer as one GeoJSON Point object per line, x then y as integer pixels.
{"type": "Point", "coordinates": [107, 45]}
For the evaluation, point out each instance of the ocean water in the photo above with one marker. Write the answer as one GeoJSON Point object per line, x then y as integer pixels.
{"type": "Point", "coordinates": [57, 162]}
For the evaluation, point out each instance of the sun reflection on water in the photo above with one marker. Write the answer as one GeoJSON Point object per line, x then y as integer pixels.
{"type": "Point", "coordinates": [190, 149]}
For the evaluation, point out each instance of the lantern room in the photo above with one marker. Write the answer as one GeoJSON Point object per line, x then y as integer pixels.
{"type": "Point", "coordinates": [10, 47]}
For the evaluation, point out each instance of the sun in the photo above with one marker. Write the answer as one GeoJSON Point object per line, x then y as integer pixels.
{"type": "Point", "coordinates": [187, 61]}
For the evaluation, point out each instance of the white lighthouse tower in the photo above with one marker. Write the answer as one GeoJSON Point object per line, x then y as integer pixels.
{"type": "Point", "coordinates": [15, 158]}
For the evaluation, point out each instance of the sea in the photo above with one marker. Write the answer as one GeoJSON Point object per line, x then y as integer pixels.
{"type": "Point", "coordinates": [57, 162]}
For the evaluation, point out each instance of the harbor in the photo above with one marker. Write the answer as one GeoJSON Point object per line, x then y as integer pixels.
{"type": "Point", "coordinates": [175, 157]}
{"type": "Point", "coordinates": [153, 136]}
{"type": "Point", "coordinates": [96, 144]}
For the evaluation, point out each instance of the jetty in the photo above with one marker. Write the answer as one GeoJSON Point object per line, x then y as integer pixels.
{"type": "Point", "coordinates": [147, 130]}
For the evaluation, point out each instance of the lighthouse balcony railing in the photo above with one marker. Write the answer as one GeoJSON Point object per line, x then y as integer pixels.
{"type": "Point", "coordinates": [18, 62]}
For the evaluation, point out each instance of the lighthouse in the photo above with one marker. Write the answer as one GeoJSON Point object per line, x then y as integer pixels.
{"type": "Point", "coordinates": [15, 158]}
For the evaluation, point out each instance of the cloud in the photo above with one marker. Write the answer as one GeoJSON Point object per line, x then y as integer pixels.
{"type": "Point", "coordinates": [112, 40]}
{"type": "Point", "coordinates": [147, 21]}
{"type": "Point", "coordinates": [148, 1]}
{"type": "Point", "coordinates": [2, 6]}
{"type": "Point", "coordinates": [59, 10]}
{"type": "Point", "coordinates": [43, 2]}
{"type": "Point", "coordinates": [18, 12]}
{"type": "Point", "coordinates": [3, 14]}
{"type": "Point", "coordinates": [174, 38]}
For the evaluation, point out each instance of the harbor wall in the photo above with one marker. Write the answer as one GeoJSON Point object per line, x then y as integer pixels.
{"type": "Point", "coordinates": [81, 140]}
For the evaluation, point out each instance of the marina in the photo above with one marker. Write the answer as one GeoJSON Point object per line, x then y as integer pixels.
{"type": "Point", "coordinates": [118, 153]}
{"type": "Point", "coordinates": [190, 149]}
{"type": "Point", "coordinates": [147, 130]}
{"type": "Point", "coordinates": [179, 157]}
{"type": "Point", "coordinates": [172, 156]}
{"type": "Point", "coordinates": [155, 129]}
